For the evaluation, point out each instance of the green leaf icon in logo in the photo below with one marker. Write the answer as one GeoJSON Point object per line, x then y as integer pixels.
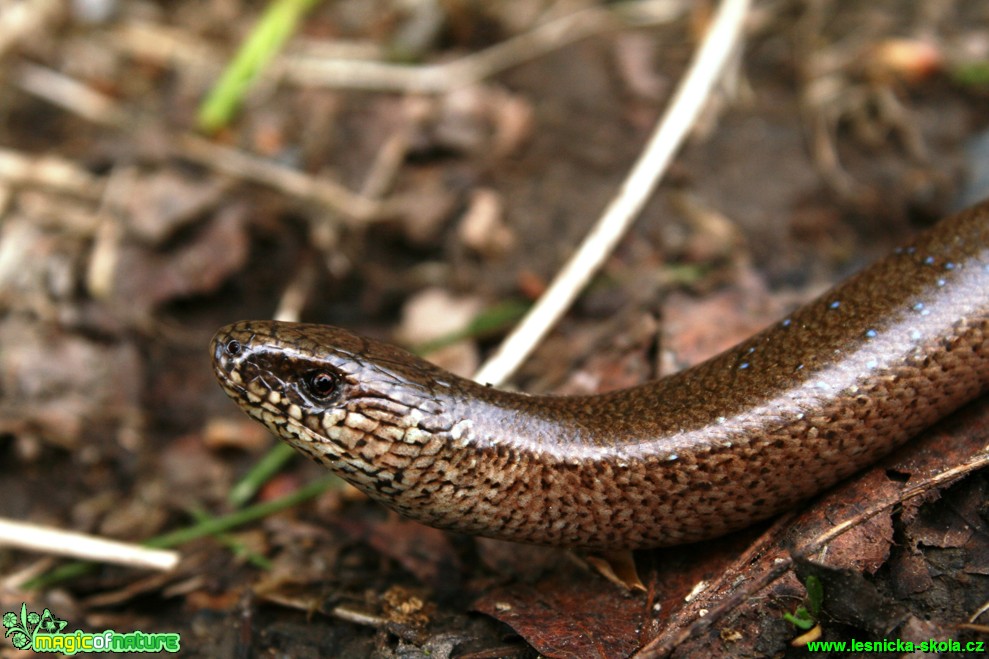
{"type": "Point", "coordinates": [21, 629]}
{"type": "Point", "coordinates": [18, 627]}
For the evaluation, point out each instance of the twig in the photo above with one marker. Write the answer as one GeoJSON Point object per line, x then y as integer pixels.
{"type": "Point", "coordinates": [79, 545]}
{"type": "Point", "coordinates": [68, 93]}
{"type": "Point", "coordinates": [80, 99]}
{"type": "Point", "coordinates": [297, 292]}
{"type": "Point", "coordinates": [165, 46]}
{"type": "Point", "coordinates": [387, 162]}
{"type": "Point", "coordinates": [440, 78]}
{"type": "Point", "coordinates": [50, 171]}
{"type": "Point", "coordinates": [290, 181]}
{"type": "Point", "coordinates": [942, 479]}
{"type": "Point", "coordinates": [705, 70]}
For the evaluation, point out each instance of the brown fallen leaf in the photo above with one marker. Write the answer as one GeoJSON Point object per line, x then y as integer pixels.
{"type": "Point", "coordinates": [564, 617]}
{"type": "Point", "coordinates": [147, 277]}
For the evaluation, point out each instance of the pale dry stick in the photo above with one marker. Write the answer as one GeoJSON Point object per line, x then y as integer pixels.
{"type": "Point", "coordinates": [662, 646]}
{"type": "Point", "coordinates": [358, 617]}
{"type": "Point", "coordinates": [290, 181]}
{"type": "Point", "coordinates": [978, 612]}
{"type": "Point", "coordinates": [166, 46]}
{"type": "Point", "coordinates": [378, 181]}
{"type": "Point", "coordinates": [387, 163]}
{"type": "Point", "coordinates": [32, 537]}
{"type": "Point", "coordinates": [944, 478]}
{"type": "Point", "coordinates": [324, 229]}
{"type": "Point", "coordinates": [69, 94]}
{"type": "Point", "coordinates": [104, 255]}
{"type": "Point", "coordinates": [13, 581]}
{"type": "Point", "coordinates": [76, 97]}
{"type": "Point", "coordinates": [981, 629]}
{"type": "Point", "coordinates": [704, 72]}
{"type": "Point", "coordinates": [48, 171]}
{"type": "Point", "coordinates": [297, 292]}
{"type": "Point", "coordinates": [470, 69]}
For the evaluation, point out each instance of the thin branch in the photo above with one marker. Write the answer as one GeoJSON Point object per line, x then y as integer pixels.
{"type": "Point", "coordinates": [50, 171]}
{"type": "Point", "coordinates": [86, 102]}
{"type": "Point", "coordinates": [68, 93]}
{"type": "Point", "coordinates": [943, 479]}
{"type": "Point", "coordinates": [705, 70]}
{"type": "Point", "coordinates": [295, 295]}
{"type": "Point", "coordinates": [32, 537]}
{"type": "Point", "coordinates": [441, 78]}
{"type": "Point", "coordinates": [290, 181]}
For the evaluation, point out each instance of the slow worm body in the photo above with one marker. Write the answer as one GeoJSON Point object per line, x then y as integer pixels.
{"type": "Point", "coordinates": [733, 440]}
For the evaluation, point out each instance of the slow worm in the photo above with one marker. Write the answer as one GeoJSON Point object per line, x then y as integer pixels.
{"type": "Point", "coordinates": [733, 440]}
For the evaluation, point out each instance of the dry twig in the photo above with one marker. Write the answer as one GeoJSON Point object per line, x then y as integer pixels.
{"type": "Point", "coordinates": [441, 78]}
{"type": "Point", "coordinates": [33, 537]}
{"type": "Point", "coordinates": [705, 70]}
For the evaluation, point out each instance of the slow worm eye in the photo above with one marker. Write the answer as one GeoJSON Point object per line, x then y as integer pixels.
{"type": "Point", "coordinates": [320, 384]}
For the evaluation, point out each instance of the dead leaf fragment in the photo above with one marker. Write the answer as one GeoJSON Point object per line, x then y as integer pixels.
{"type": "Point", "coordinates": [147, 277]}
{"type": "Point", "coordinates": [435, 314]}
{"type": "Point", "coordinates": [555, 616]}
{"type": "Point", "coordinates": [482, 227]}
{"type": "Point", "coordinates": [161, 204]}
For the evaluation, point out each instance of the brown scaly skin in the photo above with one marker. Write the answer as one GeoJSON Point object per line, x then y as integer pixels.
{"type": "Point", "coordinates": [714, 448]}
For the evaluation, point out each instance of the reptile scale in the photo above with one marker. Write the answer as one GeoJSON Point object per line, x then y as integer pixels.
{"type": "Point", "coordinates": [735, 439]}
